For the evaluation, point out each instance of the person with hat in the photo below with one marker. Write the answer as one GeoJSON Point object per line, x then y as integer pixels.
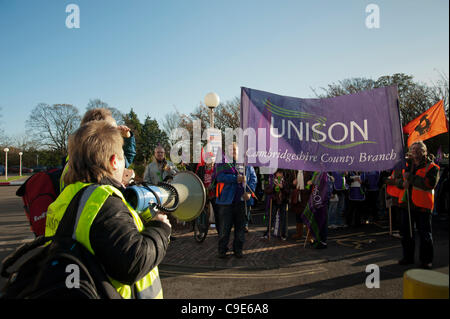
{"type": "Point", "coordinates": [420, 179]}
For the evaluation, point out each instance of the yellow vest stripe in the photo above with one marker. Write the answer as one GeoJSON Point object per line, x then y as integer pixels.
{"type": "Point", "coordinates": [147, 287]}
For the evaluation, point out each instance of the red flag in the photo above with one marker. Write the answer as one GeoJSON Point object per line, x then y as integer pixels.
{"type": "Point", "coordinates": [430, 123]}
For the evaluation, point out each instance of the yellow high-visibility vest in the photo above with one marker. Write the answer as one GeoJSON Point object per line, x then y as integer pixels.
{"type": "Point", "coordinates": [93, 198]}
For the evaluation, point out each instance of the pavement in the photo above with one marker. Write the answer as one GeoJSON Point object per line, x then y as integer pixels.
{"type": "Point", "coordinates": [260, 253]}
{"type": "Point", "coordinates": [13, 183]}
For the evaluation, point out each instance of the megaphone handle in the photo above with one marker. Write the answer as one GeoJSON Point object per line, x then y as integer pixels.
{"type": "Point", "coordinates": [173, 191]}
{"type": "Point", "coordinates": [153, 192]}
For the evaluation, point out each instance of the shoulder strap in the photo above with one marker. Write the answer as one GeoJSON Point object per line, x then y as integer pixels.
{"type": "Point", "coordinates": [22, 250]}
{"type": "Point", "coordinates": [68, 222]}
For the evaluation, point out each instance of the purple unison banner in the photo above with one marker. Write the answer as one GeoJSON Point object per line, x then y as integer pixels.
{"type": "Point", "coordinates": [357, 132]}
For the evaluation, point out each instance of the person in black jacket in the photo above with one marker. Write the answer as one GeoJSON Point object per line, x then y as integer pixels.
{"type": "Point", "coordinates": [280, 198]}
{"type": "Point", "coordinates": [128, 246]}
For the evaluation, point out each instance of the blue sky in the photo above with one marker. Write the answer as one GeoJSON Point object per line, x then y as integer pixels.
{"type": "Point", "coordinates": [160, 55]}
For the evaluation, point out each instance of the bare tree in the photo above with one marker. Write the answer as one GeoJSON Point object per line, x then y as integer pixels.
{"type": "Point", "coordinates": [227, 114]}
{"type": "Point", "coordinates": [97, 103]}
{"type": "Point", "coordinates": [24, 142]}
{"type": "Point", "coordinates": [52, 125]}
{"type": "Point", "coordinates": [414, 98]}
{"type": "Point", "coordinates": [170, 122]}
{"type": "Point", "coordinates": [440, 90]}
{"type": "Point", "coordinates": [3, 137]}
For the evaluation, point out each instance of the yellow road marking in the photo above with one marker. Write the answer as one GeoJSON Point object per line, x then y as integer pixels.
{"type": "Point", "coordinates": [245, 276]}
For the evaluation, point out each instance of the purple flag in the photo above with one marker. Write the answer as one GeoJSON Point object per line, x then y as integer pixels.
{"type": "Point", "coordinates": [315, 213]}
{"type": "Point", "coordinates": [357, 132]}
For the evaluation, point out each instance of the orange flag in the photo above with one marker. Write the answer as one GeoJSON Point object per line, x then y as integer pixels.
{"type": "Point", "coordinates": [430, 123]}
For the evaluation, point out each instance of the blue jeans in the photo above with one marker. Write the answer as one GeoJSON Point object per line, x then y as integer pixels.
{"type": "Point", "coordinates": [229, 216]}
{"type": "Point", "coordinates": [333, 215]}
{"type": "Point", "coordinates": [249, 215]}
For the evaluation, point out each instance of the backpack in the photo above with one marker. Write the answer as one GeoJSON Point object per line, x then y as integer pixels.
{"type": "Point", "coordinates": [38, 192]}
{"type": "Point", "coordinates": [62, 269]}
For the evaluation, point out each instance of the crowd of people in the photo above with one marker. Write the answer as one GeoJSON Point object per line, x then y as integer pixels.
{"type": "Point", "coordinates": [353, 199]}
{"type": "Point", "coordinates": [130, 245]}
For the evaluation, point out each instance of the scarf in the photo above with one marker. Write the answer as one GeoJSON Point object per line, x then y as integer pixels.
{"type": "Point", "coordinates": [300, 180]}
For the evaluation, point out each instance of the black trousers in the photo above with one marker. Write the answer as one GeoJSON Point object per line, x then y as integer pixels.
{"type": "Point", "coordinates": [371, 204]}
{"type": "Point", "coordinates": [422, 221]}
{"type": "Point", "coordinates": [353, 216]}
{"type": "Point", "coordinates": [231, 216]}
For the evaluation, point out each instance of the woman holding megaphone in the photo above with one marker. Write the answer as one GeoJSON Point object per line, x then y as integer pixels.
{"type": "Point", "coordinates": [128, 246]}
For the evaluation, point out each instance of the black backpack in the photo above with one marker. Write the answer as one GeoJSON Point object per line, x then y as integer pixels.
{"type": "Point", "coordinates": [63, 269]}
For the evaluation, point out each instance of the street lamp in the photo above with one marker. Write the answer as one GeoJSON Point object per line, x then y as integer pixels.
{"type": "Point", "coordinates": [20, 163]}
{"type": "Point", "coordinates": [6, 150]}
{"type": "Point", "coordinates": [211, 101]}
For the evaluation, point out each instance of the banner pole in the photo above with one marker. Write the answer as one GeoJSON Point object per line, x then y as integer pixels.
{"type": "Point", "coordinates": [390, 209]}
{"type": "Point", "coordinates": [306, 239]}
{"type": "Point", "coordinates": [409, 212]}
{"type": "Point", "coordinates": [270, 219]}
{"type": "Point", "coordinates": [245, 189]}
{"type": "Point", "coordinates": [390, 222]}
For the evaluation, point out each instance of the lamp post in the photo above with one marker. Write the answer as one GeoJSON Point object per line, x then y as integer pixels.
{"type": "Point", "coordinates": [211, 101]}
{"type": "Point", "coordinates": [6, 150]}
{"type": "Point", "coordinates": [20, 163]}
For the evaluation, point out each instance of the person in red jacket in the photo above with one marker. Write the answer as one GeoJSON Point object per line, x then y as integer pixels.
{"type": "Point", "coordinates": [420, 178]}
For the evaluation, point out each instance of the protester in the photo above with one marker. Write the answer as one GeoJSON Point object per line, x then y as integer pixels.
{"type": "Point", "coordinates": [316, 212]}
{"type": "Point", "coordinates": [232, 200]}
{"type": "Point", "coordinates": [382, 200]}
{"type": "Point", "coordinates": [129, 145]}
{"type": "Point", "coordinates": [159, 170]}
{"type": "Point", "coordinates": [394, 185]}
{"type": "Point", "coordinates": [333, 202]}
{"type": "Point", "coordinates": [279, 192]}
{"type": "Point", "coordinates": [323, 232]}
{"type": "Point", "coordinates": [267, 182]}
{"type": "Point", "coordinates": [442, 194]}
{"type": "Point", "coordinates": [420, 178]}
{"type": "Point", "coordinates": [207, 173]}
{"type": "Point", "coordinates": [299, 199]}
{"type": "Point", "coordinates": [340, 187]}
{"type": "Point", "coordinates": [371, 182]}
{"type": "Point", "coordinates": [128, 248]}
{"type": "Point", "coordinates": [356, 198]}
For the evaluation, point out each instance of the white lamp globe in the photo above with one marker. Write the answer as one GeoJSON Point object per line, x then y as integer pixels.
{"type": "Point", "coordinates": [212, 100]}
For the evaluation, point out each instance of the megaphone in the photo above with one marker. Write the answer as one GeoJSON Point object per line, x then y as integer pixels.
{"type": "Point", "coordinates": [184, 197]}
